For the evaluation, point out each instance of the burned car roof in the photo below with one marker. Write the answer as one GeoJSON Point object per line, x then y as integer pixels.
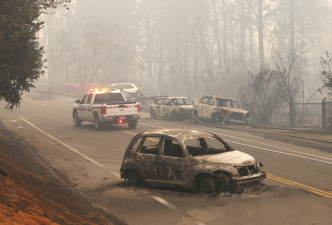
{"type": "Point", "coordinates": [182, 134]}
{"type": "Point", "coordinates": [213, 96]}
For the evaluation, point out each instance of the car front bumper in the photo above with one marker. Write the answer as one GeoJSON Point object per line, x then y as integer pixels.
{"type": "Point", "coordinates": [250, 178]}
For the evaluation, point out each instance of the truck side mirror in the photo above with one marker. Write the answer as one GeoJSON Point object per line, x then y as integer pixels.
{"type": "Point", "coordinates": [78, 101]}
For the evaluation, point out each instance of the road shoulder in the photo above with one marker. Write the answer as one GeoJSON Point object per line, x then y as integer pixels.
{"type": "Point", "coordinates": [30, 194]}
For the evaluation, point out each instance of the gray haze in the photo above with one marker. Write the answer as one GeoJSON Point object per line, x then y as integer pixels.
{"type": "Point", "coordinates": [188, 47]}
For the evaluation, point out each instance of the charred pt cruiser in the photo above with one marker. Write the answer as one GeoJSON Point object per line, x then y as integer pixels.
{"type": "Point", "coordinates": [192, 159]}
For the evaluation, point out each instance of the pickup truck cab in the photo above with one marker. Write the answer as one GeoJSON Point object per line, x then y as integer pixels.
{"type": "Point", "coordinates": [107, 106]}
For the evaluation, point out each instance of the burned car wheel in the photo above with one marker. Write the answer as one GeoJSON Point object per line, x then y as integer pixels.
{"type": "Point", "coordinates": [207, 185]}
{"type": "Point", "coordinates": [215, 118]}
{"type": "Point", "coordinates": [132, 177]}
{"type": "Point", "coordinates": [153, 114]}
{"type": "Point", "coordinates": [175, 116]}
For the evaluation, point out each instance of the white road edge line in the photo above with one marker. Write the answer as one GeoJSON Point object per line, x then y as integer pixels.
{"type": "Point", "coordinates": [265, 149]}
{"type": "Point", "coordinates": [174, 208]}
{"type": "Point", "coordinates": [160, 200]}
{"type": "Point", "coordinates": [67, 146]}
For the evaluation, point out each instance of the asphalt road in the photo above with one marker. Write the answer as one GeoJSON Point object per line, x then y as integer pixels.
{"type": "Point", "coordinates": [299, 183]}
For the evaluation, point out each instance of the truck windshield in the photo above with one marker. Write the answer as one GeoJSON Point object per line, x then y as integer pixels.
{"type": "Point", "coordinates": [109, 97]}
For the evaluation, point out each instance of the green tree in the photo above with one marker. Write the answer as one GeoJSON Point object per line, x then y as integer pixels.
{"type": "Point", "coordinates": [21, 60]}
{"type": "Point", "coordinates": [20, 54]}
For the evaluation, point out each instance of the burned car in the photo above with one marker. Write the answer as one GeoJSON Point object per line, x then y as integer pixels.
{"type": "Point", "coordinates": [219, 110]}
{"type": "Point", "coordinates": [192, 159]}
{"type": "Point", "coordinates": [174, 108]}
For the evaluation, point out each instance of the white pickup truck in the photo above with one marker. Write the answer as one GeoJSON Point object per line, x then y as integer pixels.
{"type": "Point", "coordinates": [106, 107]}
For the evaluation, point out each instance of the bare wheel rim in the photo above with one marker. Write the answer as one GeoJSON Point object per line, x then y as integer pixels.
{"type": "Point", "coordinates": [132, 177]}
{"type": "Point", "coordinates": [207, 185]}
{"type": "Point", "coordinates": [215, 119]}
{"type": "Point", "coordinates": [152, 114]}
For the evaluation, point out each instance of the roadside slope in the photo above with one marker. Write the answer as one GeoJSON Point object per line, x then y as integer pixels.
{"type": "Point", "coordinates": [29, 194]}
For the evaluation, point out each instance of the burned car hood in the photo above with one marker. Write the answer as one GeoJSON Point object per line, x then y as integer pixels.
{"type": "Point", "coordinates": [234, 158]}
{"type": "Point", "coordinates": [186, 107]}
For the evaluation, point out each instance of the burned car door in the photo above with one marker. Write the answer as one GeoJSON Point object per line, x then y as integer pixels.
{"type": "Point", "coordinates": [208, 107]}
{"type": "Point", "coordinates": [173, 163]}
{"type": "Point", "coordinates": [167, 108]}
{"type": "Point", "coordinates": [201, 107]}
{"type": "Point", "coordinates": [146, 158]}
{"type": "Point", "coordinates": [158, 107]}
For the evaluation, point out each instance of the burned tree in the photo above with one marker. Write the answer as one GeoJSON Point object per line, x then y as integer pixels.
{"type": "Point", "coordinates": [326, 64]}
{"type": "Point", "coordinates": [265, 93]}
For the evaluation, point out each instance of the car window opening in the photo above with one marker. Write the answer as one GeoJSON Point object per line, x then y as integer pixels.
{"type": "Point", "coordinates": [109, 98]}
{"type": "Point", "coordinates": [206, 146]}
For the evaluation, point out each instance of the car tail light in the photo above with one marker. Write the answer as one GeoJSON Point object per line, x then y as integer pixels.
{"type": "Point", "coordinates": [120, 121]}
{"type": "Point", "coordinates": [103, 110]}
{"type": "Point", "coordinates": [138, 107]}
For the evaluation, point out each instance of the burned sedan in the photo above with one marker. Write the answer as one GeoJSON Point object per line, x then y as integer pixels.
{"type": "Point", "coordinates": [174, 108]}
{"type": "Point", "coordinates": [192, 159]}
{"type": "Point", "coordinates": [219, 110]}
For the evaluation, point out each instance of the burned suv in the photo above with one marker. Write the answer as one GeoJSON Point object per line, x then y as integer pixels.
{"type": "Point", "coordinates": [174, 108]}
{"type": "Point", "coordinates": [219, 110]}
{"type": "Point", "coordinates": [191, 159]}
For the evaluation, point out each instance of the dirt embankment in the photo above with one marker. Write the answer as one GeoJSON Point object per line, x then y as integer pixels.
{"type": "Point", "coordinates": [29, 194]}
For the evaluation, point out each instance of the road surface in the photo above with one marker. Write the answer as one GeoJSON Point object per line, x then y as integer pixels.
{"type": "Point", "coordinates": [298, 188]}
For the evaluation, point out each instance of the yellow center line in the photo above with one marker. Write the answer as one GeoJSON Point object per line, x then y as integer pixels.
{"type": "Point", "coordinates": [34, 102]}
{"type": "Point", "coordinates": [305, 187]}
{"type": "Point", "coordinates": [280, 179]}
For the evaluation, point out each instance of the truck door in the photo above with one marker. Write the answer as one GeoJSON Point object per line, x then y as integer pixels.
{"type": "Point", "coordinates": [80, 108]}
{"type": "Point", "coordinates": [87, 109]}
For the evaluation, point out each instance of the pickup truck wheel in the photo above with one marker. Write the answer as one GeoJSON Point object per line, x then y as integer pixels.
{"type": "Point", "coordinates": [96, 122]}
{"type": "Point", "coordinates": [207, 185]}
{"type": "Point", "coordinates": [132, 124]}
{"type": "Point", "coordinates": [77, 121]}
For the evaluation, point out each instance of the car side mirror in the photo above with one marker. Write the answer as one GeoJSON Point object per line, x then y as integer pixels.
{"type": "Point", "coordinates": [260, 164]}
{"type": "Point", "coordinates": [78, 101]}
